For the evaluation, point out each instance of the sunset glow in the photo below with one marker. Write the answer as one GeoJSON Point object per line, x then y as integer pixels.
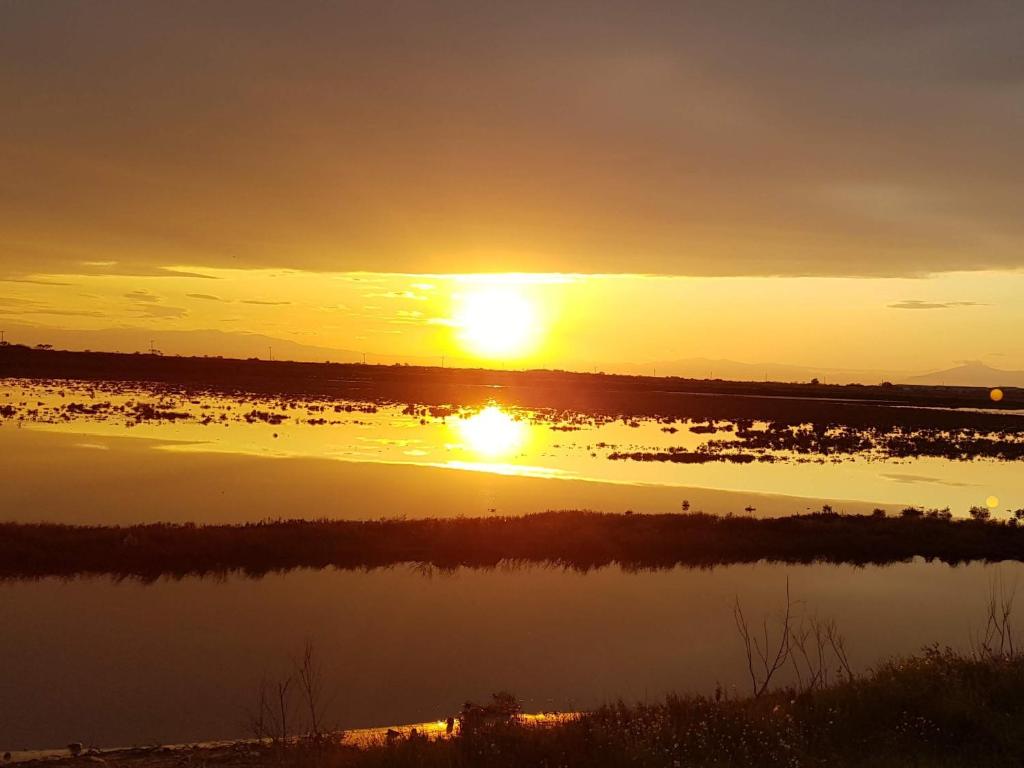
{"type": "Point", "coordinates": [366, 363]}
{"type": "Point", "coordinates": [496, 322]}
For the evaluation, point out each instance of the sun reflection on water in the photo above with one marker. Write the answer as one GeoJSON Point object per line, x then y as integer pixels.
{"type": "Point", "coordinates": [492, 432]}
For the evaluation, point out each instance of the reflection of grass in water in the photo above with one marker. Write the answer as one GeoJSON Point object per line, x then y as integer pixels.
{"type": "Point", "coordinates": [940, 707]}
{"type": "Point", "coordinates": [579, 540]}
{"type": "Point", "coordinates": [937, 708]}
{"type": "Point", "coordinates": [803, 426]}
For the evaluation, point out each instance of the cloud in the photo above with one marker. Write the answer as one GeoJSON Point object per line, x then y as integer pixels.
{"type": "Point", "coordinates": [60, 312]}
{"type": "Point", "coordinates": [142, 295]}
{"type": "Point", "coordinates": [36, 267]}
{"type": "Point", "coordinates": [656, 138]}
{"type": "Point", "coordinates": [396, 295]}
{"type": "Point", "coordinates": [403, 317]}
{"type": "Point", "coordinates": [18, 302]}
{"type": "Point", "coordinates": [204, 296]}
{"type": "Point", "coordinates": [265, 303]}
{"type": "Point", "coordinates": [31, 281]}
{"type": "Point", "coordinates": [159, 311]}
{"type": "Point", "coordinates": [918, 304]}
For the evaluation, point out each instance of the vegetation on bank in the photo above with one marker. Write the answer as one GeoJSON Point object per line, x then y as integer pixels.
{"type": "Point", "coordinates": [939, 708]}
{"type": "Point", "coordinates": [570, 539]}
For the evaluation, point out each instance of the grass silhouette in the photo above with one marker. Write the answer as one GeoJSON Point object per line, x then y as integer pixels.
{"type": "Point", "coordinates": [572, 539]}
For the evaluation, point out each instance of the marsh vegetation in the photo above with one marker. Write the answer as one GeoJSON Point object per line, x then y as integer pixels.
{"type": "Point", "coordinates": [576, 540]}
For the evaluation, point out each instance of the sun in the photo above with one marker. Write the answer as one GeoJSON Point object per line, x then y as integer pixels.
{"type": "Point", "coordinates": [496, 321]}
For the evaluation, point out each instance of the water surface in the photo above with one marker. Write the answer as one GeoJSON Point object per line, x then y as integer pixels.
{"type": "Point", "coordinates": [593, 456]}
{"type": "Point", "coordinates": [124, 663]}
{"type": "Point", "coordinates": [111, 664]}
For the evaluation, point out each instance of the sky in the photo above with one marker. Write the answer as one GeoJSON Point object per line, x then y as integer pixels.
{"type": "Point", "coordinates": [820, 183]}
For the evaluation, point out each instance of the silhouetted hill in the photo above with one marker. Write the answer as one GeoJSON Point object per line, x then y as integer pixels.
{"type": "Point", "coordinates": [721, 368]}
{"type": "Point", "coordinates": [973, 373]}
{"type": "Point", "coordinates": [205, 342]}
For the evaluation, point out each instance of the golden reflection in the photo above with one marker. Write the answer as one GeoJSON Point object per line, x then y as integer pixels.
{"type": "Point", "coordinates": [496, 321]}
{"type": "Point", "coordinates": [492, 432]}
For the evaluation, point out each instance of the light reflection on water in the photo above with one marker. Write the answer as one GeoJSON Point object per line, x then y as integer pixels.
{"type": "Point", "coordinates": [492, 432]}
{"type": "Point", "coordinates": [176, 661]}
{"type": "Point", "coordinates": [495, 439]}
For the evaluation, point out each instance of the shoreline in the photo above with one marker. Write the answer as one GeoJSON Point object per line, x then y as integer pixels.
{"type": "Point", "coordinates": [578, 540]}
{"type": "Point", "coordinates": [359, 738]}
{"type": "Point", "coordinates": [437, 385]}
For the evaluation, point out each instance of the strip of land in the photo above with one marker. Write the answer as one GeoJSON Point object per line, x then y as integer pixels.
{"type": "Point", "coordinates": [570, 539]}
{"type": "Point", "coordinates": [534, 388]}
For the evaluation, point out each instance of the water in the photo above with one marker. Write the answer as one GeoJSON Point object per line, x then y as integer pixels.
{"type": "Point", "coordinates": [123, 663]}
{"type": "Point", "coordinates": [373, 449]}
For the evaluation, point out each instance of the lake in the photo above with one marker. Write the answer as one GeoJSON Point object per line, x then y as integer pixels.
{"type": "Point", "coordinates": [176, 661]}
{"type": "Point", "coordinates": [119, 663]}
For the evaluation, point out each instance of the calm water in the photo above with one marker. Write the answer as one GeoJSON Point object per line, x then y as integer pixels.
{"type": "Point", "coordinates": [123, 663]}
{"type": "Point", "coordinates": [175, 661]}
{"type": "Point", "coordinates": [247, 458]}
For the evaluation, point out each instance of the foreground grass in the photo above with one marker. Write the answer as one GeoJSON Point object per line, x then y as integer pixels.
{"type": "Point", "coordinates": [937, 709]}
{"type": "Point", "coordinates": [580, 540]}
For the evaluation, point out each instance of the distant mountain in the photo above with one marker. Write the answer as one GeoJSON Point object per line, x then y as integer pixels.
{"type": "Point", "coordinates": [199, 342]}
{"type": "Point", "coordinates": [240, 344]}
{"type": "Point", "coordinates": [208, 342]}
{"type": "Point", "coordinates": [972, 373]}
{"type": "Point", "coordinates": [707, 368]}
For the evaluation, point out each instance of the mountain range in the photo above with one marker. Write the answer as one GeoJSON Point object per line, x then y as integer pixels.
{"type": "Point", "coordinates": [240, 344]}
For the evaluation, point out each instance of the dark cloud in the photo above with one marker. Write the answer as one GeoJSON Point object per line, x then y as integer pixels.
{"type": "Point", "coordinates": [797, 138]}
{"type": "Point", "coordinates": [918, 304]}
{"type": "Point", "coordinates": [266, 303]}
{"type": "Point", "coordinates": [204, 296]}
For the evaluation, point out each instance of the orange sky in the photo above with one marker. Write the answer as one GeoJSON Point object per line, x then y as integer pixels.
{"type": "Point", "coordinates": [574, 321]}
{"type": "Point", "coordinates": [853, 168]}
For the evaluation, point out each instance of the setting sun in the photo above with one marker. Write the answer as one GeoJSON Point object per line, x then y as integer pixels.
{"type": "Point", "coordinates": [496, 322]}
